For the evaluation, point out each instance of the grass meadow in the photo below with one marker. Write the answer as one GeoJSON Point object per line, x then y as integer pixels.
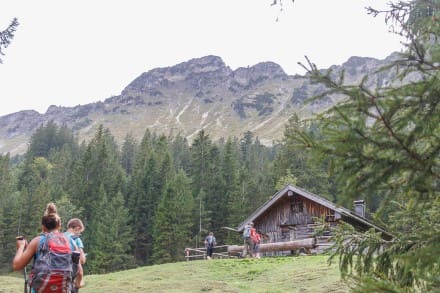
{"type": "Point", "coordinates": [270, 274]}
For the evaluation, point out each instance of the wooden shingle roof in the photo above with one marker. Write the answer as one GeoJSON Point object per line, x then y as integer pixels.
{"type": "Point", "coordinates": [315, 198]}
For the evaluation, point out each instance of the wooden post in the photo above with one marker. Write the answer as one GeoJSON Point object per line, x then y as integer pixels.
{"type": "Point", "coordinates": [187, 254]}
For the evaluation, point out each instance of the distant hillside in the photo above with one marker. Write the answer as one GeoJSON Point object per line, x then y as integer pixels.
{"type": "Point", "coordinates": [272, 274]}
{"type": "Point", "coordinates": [202, 93]}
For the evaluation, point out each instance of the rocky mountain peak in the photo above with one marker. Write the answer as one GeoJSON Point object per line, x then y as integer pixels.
{"type": "Point", "coordinates": [208, 66]}
{"type": "Point", "coordinates": [55, 110]}
{"type": "Point", "coordinates": [17, 117]}
{"type": "Point", "coordinates": [247, 76]}
{"type": "Point", "coordinates": [356, 61]}
{"type": "Point", "coordinates": [205, 64]}
{"type": "Point", "coordinates": [269, 69]}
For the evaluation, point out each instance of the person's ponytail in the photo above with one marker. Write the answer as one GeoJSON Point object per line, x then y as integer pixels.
{"type": "Point", "coordinates": [50, 219]}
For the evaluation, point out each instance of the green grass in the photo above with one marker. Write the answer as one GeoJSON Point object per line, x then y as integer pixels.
{"type": "Point", "coordinates": [271, 274]}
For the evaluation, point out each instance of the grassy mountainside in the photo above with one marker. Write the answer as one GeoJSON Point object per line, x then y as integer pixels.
{"type": "Point", "coordinates": [271, 274]}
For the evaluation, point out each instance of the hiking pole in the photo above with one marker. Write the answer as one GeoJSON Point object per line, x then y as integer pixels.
{"type": "Point", "coordinates": [20, 237]}
{"type": "Point", "coordinates": [25, 280]}
{"type": "Point", "coordinates": [24, 269]}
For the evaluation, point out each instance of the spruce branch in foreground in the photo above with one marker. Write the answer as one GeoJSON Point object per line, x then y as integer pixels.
{"type": "Point", "coordinates": [384, 144]}
{"type": "Point", "coordinates": [7, 35]}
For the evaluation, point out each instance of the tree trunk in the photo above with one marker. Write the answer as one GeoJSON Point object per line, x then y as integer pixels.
{"type": "Point", "coordinates": [277, 246]}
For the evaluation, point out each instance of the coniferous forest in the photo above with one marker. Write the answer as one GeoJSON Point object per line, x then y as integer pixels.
{"type": "Point", "coordinates": [143, 202]}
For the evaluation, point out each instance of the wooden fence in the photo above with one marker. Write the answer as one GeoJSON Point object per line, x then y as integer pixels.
{"type": "Point", "coordinates": [318, 244]}
{"type": "Point", "coordinates": [220, 251]}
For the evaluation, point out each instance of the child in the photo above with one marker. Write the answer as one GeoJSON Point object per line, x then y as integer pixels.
{"type": "Point", "coordinates": [74, 229]}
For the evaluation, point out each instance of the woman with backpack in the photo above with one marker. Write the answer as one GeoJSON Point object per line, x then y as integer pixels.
{"type": "Point", "coordinates": [53, 251]}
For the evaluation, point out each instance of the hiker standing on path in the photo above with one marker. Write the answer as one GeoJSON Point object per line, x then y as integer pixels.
{"type": "Point", "coordinates": [247, 241]}
{"type": "Point", "coordinates": [41, 248]}
{"type": "Point", "coordinates": [74, 229]}
{"type": "Point", "coordinates": [210, 242]}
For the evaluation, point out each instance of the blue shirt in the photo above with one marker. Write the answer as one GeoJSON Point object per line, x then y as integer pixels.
{"type": "Point", "coordinates": [75, 239]}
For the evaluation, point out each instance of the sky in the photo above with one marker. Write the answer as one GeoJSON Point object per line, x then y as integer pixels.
{"type": "Point", "coordinates": [68, 53]}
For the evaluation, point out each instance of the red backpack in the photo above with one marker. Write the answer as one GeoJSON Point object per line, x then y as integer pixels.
{"type": "Point", "coordinates": [52, 268]}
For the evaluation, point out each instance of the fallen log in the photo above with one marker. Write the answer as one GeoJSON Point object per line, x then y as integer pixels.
{"type": "Point", "coordinates": [306, 243]}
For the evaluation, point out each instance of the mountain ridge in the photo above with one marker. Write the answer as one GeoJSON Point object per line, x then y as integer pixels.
{"type": "Point", "coordinates": [201, 93]}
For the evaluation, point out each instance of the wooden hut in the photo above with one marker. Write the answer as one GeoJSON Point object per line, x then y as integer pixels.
{"type": "Point", "coordinates": [290, 217]}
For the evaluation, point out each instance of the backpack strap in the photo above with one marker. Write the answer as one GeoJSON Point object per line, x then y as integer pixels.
{"type": "Point", "coordinates": [74, 240]}
{"type": "Point", "coordinates": [41, 243]}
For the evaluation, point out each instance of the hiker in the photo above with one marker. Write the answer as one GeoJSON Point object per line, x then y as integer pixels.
{"type": "Point", "coordinates": [210, 242]}
{"type": "Point", "coordinates": [49, 248]}
{"type": "Point", "coordinates": [74, 229]}
{"type": "Point", "coordinates": [256, 238]}
{"type": "Point", "coordinates": [247, 241]}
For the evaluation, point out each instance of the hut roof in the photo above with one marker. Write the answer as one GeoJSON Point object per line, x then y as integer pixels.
{"type": "Point", "coordinates": [315, 198]}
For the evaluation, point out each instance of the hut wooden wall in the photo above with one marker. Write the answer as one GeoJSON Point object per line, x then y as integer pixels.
{"type": "Point", "coordinates": [291, 218]}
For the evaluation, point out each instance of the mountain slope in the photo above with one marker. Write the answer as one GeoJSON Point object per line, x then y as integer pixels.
{"type": "Point", "coordinates": [202, 93]}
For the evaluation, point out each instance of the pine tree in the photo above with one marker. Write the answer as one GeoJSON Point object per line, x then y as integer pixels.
{"type": "Point", "coordinates": [202, 160]}
{"type": "Point", "coordinates": [181, 154]}
{"type": "Point", "coordinates": [8, 207]}
{"type": "Point", "coordinates": [229, 166]}
{"type": "Point", "coordinates": [109, 247]}
{"type": "Point", "coordinates": [386, 141]}
{"type": "Point", "coordinates": [5, 178]}
{"type": "Point", "coordinates": [213, 211]}
{"type": "Point", "coordinates": [128, 156]}
{"type": "Point", "coordinates": [173, 220]}
{"type": "Point", "coordinates": [140, 203]}
{"type": "Point", "coordinates": [98, 176]}
{"type": "Point", "coordinates": [200, 150]}
{"type": "Point", "coordinates": [296, 161]}
{"type": "Point", "coordinates": [48, 138]}
{"type": "Point", "coordinates": [260, 185]}
{"type": "Point", "coordinates": [67, 210]}
{"type": "Point", "coordinates": [62, 169]}
{"type": "Point", "coordinates": [245, 148]}
{"type": "Point", "coordinates": [33, 194]}
{"type": "Point", "coordinates": [99, 165]}
{"type": "Point", "coordinates": [152, 169]}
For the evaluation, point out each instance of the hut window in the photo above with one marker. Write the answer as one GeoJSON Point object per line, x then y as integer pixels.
{"type": "Point", "coordinates": [297, 205]}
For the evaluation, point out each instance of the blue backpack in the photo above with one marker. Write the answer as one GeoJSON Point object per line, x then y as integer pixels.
{"type": "Point", "coordinates": [52, 269]}
{"type": "Point", "coordinates": [247, 232]}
